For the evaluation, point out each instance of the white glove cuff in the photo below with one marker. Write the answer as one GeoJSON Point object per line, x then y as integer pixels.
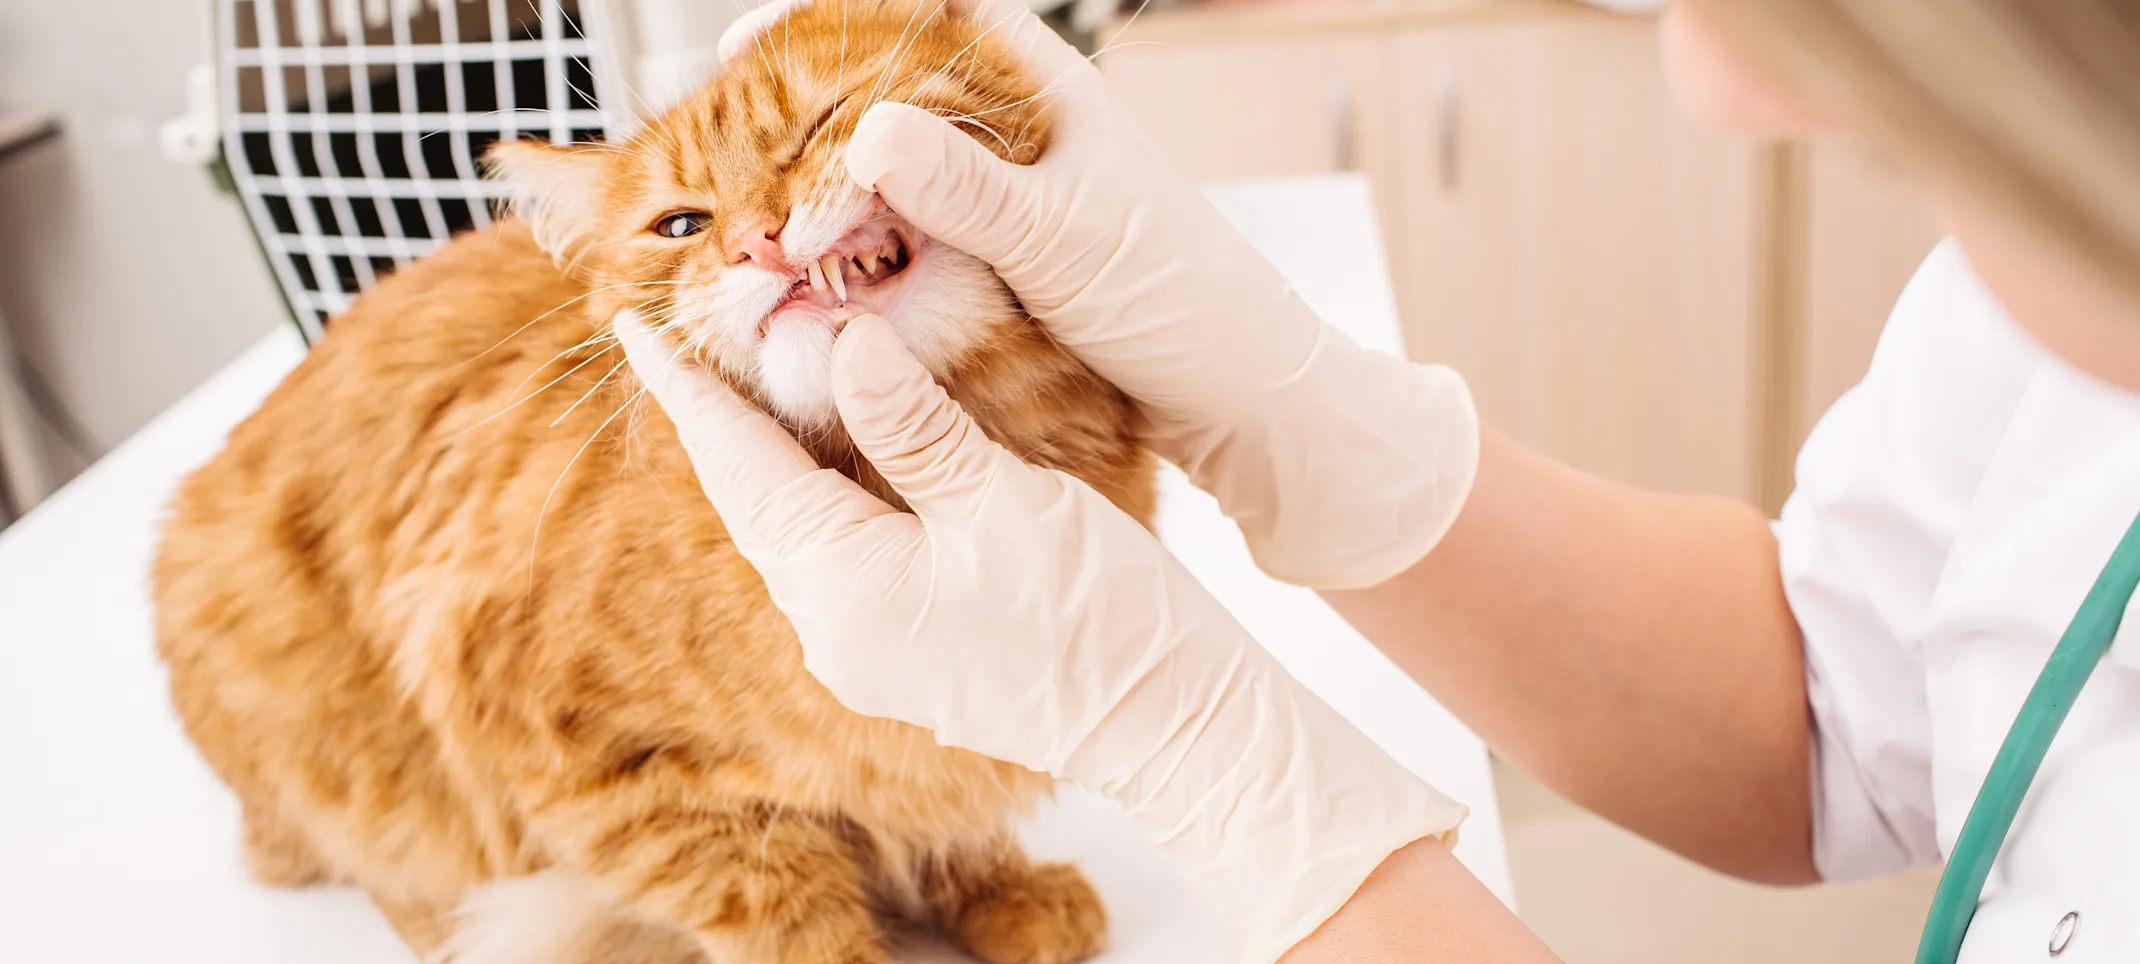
{"type": "Point", "coordinates": [1273, 805]}
{"type": "Point", "coordinates": [1351, 471]}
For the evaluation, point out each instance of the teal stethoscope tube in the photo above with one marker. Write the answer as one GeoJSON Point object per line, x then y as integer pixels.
{"type": "Point", "coordinates": [2078, 652]}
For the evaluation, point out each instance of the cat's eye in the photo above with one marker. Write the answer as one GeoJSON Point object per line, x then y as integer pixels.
{"type": "Point", "coordinates": [683, 224]}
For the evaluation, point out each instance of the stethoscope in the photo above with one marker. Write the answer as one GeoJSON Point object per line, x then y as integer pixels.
{"type": "Point", "coordinates": [1992, 815]}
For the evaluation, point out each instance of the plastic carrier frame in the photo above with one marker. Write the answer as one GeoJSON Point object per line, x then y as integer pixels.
{"type": "Point", "coordinates": [353, 130]}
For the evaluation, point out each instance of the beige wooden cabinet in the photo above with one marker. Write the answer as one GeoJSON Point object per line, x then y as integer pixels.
{"type": "Point", "coordinates": [1626, 291]}
{"type": "Point", "coordinates": [1306, 99]}
{"type": "Point", "coordinates": [1575, 248]}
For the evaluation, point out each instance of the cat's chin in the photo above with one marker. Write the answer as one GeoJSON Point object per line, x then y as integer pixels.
{"type": "Point", "coordinates": [795, 373]}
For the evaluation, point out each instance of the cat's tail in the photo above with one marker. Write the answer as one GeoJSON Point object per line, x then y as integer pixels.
{"type": "Point", "coordinates": [556, 917]}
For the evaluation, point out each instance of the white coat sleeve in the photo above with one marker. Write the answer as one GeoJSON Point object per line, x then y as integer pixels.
{"type": "Point", "coordinates": [1884, 484]}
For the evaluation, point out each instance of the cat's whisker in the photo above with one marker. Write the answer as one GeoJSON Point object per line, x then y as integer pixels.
{"type": "Point", "coordinates": [1045, 91]}
{"type": "Point", "coordinates": [958, 118]}
{"type": "Point", "coordinates": [552, 383]}
{"type": "Point", "coordinates": [657, 120]}
{"type": "Point", "coordinates": [1093, 57]}
{"type": "Point", "coordinates": [675, 355]}
{"type": "Point", "coordinates": [840, 78]}
{"type": "Point", "coordinates": [1142, 6]}
{"type": "Point", "coordinates": [1015, 151]}
{"type": "Point", "coordinates": [605, 147]}
{"type": "Point", "coordinates": [505, 110]}
{"type": "Point", "coordinates": [764, 59]}
{"type": "Point", "coordinates": [1123, 44]}
{"type": "Point", "coordinates": [664, 317]}
{"type": "Point", "coordinates": [1053, 89]}
{"type": "Point", "coordinates": [601, 147]}
{"type": "Point", "coordinates": [971, 46]}
{"type": "Point", "coordinates": [599, 382]}
{"type": "Point", "coordinates": [599, 337]}
{"type": "Point", "coordinates": [645, 109]}
{"type": "Point", "coordinates": [535, 543]}
{"type": "Point", "coordinates": [787, 47]}
{"type": "Point", "coordinates": [583, 344]}
{"type": "Point", "coordinates": [882, 89]}
{"type": "Point", "coordinates": [531, 323]}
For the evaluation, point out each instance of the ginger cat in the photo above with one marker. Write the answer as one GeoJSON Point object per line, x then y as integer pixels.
{"type": "Point", "coordinates": [452, 618]}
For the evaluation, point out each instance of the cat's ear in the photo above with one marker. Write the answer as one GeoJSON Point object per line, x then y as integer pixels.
{"type": "Point", "coordinates": [556, 190]}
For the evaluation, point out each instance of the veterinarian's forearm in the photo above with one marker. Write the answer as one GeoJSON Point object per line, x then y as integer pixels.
{"type": "Point", "coordinates": [1422, 907]}
{"type": "Point", "coordinates": [1633, 650]}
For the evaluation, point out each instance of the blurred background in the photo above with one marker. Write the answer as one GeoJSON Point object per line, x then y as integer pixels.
{"type": "Point", "coordinates": [1626, 292]}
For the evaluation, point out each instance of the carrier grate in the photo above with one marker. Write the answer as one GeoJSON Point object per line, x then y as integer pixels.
{"type": "Point", "coordinates": [353, 129]}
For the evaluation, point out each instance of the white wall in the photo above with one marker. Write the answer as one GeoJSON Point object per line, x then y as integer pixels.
{"type": "Point", "coordinates": [127, 279]}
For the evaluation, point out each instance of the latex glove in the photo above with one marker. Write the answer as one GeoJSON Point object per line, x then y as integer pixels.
{"type": "Point", "coordinates": [1342, 466]}
{"type": "Point", "coordinates": [1019, 614]}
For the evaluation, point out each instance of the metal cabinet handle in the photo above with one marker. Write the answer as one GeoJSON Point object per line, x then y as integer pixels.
{"type": "Point", "coordinates": [1343, 140]}
{"type": "Point", "coordinates": [1449, 148]}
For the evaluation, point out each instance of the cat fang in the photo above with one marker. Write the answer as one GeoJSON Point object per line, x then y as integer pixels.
{"type": "Point", "coordinates": [869, 256]}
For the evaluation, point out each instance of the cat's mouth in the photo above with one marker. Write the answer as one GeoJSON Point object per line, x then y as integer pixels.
{"type": "Point", "coordinates": [857, 275]}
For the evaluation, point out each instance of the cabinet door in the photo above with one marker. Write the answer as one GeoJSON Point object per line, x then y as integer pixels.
{"type": "Point", "coordinates": [1254, 106]}
{"type": "Point", "coordinates": [1581, 251]}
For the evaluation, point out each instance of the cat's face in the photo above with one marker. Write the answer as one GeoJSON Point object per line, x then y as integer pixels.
{"type": "Point", "coordinates": [731, 222]}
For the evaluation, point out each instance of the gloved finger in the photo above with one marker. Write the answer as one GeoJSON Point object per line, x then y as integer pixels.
{"type": "Point", "coordinates": [942, 180]}
{"type": "Point", "coordinates": [743, 34]}
{"type": "Point", "coordinates": [900, 419]}
{"type": "Point", "coordinates": [769, 492]}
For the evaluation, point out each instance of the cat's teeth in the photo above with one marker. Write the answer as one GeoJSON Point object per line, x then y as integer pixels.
{"type": "Point", "coordinates": [868, 264]}
{"type": "Point", "coordinates": [829, 266]}
{"type": "Point", "coordinates": [817, 277]}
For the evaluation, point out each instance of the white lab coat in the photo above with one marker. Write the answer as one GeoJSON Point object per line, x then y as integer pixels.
{"type": "Point", "coordinates": [1951, 512]}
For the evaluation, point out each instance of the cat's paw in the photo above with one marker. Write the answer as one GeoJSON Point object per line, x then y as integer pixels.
{"type": "Point", "coordinates": [1048, 914]}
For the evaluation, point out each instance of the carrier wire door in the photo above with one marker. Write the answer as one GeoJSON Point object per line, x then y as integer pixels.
{"type": "Point", "coordinates": [354, 129]}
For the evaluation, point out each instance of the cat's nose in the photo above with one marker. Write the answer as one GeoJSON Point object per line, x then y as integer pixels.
{"type": "Point", "coordinates": [758, 240]}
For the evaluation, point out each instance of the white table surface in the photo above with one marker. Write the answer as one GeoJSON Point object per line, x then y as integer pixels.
{"type": "Point", "coordinates": [118, 846]}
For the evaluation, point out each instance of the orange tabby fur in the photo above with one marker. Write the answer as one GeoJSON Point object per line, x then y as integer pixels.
{"type": "Point", "coordinates": [465, 641]}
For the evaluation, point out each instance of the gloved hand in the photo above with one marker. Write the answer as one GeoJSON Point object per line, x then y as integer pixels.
{"type": "Point", "coordinates": [1342, 466]}
{"type": "Point", "coordinates": [1019, 614]}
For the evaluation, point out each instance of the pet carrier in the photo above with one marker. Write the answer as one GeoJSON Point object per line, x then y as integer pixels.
{"type": "Point", "coordinates": [353, 130]}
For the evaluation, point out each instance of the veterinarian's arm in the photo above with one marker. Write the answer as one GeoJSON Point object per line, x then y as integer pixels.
{"type": "Point", "coordinates": [1633, 650]}
{"type": "Point", "coordinates": [1422, 906]}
